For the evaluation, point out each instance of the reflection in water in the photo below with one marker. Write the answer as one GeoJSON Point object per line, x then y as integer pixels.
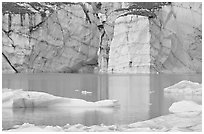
{"type": "Point", "coordinates": [134, 100]}
{"type": "Point", "coordinates": [140, 96]}
{"type": "Point", "coordinates": [63, 116]}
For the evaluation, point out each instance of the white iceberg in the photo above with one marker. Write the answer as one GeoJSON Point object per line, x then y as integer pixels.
{"type": "Point", "coordinates": [185, 87]}
{"type": "Point", "coordinates": [25, 99]}
{"type": "Point", "coordinates": [185, 108]}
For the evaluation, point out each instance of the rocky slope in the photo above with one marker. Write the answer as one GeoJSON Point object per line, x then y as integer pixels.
{"type": "Point", "coordinates": [101, 37]}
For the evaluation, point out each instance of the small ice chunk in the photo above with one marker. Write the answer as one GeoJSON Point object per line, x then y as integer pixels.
{"type": "Point", "coordinates": [85, 92]}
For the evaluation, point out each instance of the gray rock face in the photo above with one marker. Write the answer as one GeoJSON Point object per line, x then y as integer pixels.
{"type": "Point", "coordinates": [101, 37]}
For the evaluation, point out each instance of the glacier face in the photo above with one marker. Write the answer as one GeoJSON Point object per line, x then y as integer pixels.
{"type": "Point", "coordinates": [103, 37]}
{"type": "Point", "coordinates": [171, 42]}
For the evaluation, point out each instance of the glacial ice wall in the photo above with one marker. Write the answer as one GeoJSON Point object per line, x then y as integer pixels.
{"type": "Point", "coordinates": [130, 47]}
{"type": "Point", "coordinates": [102, 37]}
{"type": "Point", "coordinates": [170, 42]}
{"type": "Point", "coordinates": [62, 42]}
{"type": "Point", "coordinates": [176, 38]}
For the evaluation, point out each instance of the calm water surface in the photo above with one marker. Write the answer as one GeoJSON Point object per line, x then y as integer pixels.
{"type": "Point", "coordinates": [141, 97]}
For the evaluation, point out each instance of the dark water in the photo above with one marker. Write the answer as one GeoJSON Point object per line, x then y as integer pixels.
{"type": "Point", "coordinates": [141, 97]}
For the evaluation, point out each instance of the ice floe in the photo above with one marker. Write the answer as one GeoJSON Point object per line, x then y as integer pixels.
{"type": "Point", "coordinates": [85, 92]}
{"type": "Point", "coordinates": [25, 99]}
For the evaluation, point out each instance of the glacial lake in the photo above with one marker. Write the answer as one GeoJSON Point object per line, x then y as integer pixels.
{"type": "Point", "coordinates": [141, 97]}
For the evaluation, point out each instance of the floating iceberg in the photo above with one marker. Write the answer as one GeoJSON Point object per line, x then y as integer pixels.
{"type": "Point", "coordinates": [185, 87]}
{"type": "Point", "coordinates": [185, 108]}
{"type": "Point", "coordinates": [27, 99]}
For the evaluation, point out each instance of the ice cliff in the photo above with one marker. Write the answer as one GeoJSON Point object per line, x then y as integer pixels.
{"type": "Point", "coordinates": [102, 37]}
{"type": "Point", "coordinates": [169, 42]}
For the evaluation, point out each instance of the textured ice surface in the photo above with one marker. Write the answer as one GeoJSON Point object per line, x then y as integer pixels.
{"type": "Point", "coordinates": [185, 87]}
